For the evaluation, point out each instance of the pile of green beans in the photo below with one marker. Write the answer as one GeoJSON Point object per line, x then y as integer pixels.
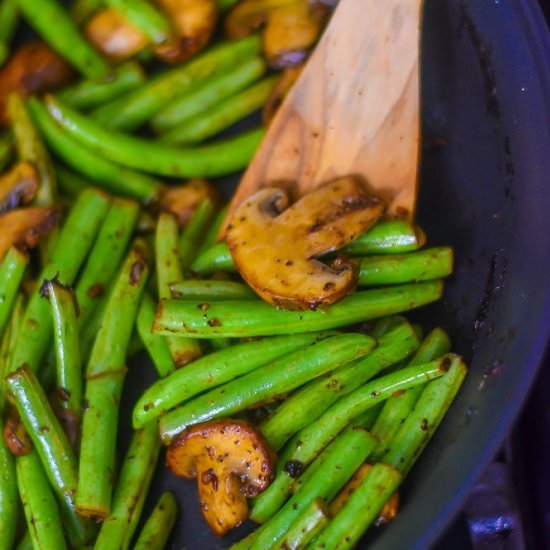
{"type": "Point", "coordinates": [340, 386]}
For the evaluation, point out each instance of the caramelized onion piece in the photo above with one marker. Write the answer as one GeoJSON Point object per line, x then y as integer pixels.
{"type": "Point", "coordinates": [18, 186]}
{"type": "Point", "coordinates": [231, 461]}
{"type": "Point", "coordinates": [33, 68]}
{"type": "Point", "coordinates": [24, 227]}
{"type": "Point", "coordinates": [275, 249]}
{"type": "Point", "coordinates": [194, 22]}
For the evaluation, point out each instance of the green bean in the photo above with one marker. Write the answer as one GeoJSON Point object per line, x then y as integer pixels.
{"type": "Point", "coordinates": [6, 149]}
{"type": "Point", "coordinates": [8, 496]}
{"type": "Point", "coordinates": [102, 172]}
{"type": "Point", "coordinates": [267, 382]}
{"type": "Point", "coordinates": [328, 474]}
{"type": "Point", "coordinates": [244, 318]}
{"type": "Point", "coordinates": [156, 345]}
{"type": "Point", "coordinates": [132, 110]}
{"type": "Point", "coordinates": [74, 242]}
{"type": "Point", "coordinates": [212, 259]}
{"type": "Point", "coordinates": [25, 543]}
{"type": "Point", "coordinates": [105, 256]}
{"type": "Point", "coordinates": [211, 290]}
{"type": "Point", "coordinates": [70, 183]}
{"type": "Point", "coordinates": [424, 265]}
{"type": "Point", "coordinates": [134, 480]}
{"type": "Point", "coordinates": [88, 94]}
{"type": "Point", "coordinates": [31, 149]}
{"type": "Point", "coordinates": [183, 350]}
{"type": "Point", "coordinates": [222, 116]}
{"type": "Point", "coordinates": [67, 347]}
{"type": "Point", "coordinates": [389, 237]}
{"type": "Point", "coordinates": [145, 17]}
{"type": "Point", "coordinates": [12, 269]}
{"type": "Point", "coordinates": [41, 511]}
{"type": "Point", "coordinates": [7, 344]}
{"type": "Point", "coordinates": [81, 10]}
{"type": "Point", "coordinates": [156, 530]}
{"type": "Point", "coordinates": [212, 233]}
{"type": "Point", "coordinates": [52, 22]}
{"type": "Point", "coordinates": [362, 508]}
{"type": "Point", "coordinates": [213, 370]}
{"type": "Point", "coordinates": [8, 23]}
{"type": "Point", "coordinates": [309, 441]}
{"type": "Point", "coordinates": [420, 425]}
{"type": "Point", "coordinates": [310, 401]}
{"type": "Point", "coordinates": [216, 159]}
{"type": "Point", "coordinates": [104, 378]}
{"type": "Point", "coordinates": [52, 445]}
{"type": "Point", "coordinates": [397, 408]}
{"type": "Point", "coordinates": [208, 94]}
{"type": "Point", "coordinates": [306, 526]}
{"type": "Point", "coordinates": [192, 233]}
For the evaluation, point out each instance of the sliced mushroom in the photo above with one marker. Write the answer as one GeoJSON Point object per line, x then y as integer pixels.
{"type": "Point", "coordinates": [291, 31]}
{"type": "Point", "coordinates": [279, 92]}
{"type": "Point", "coordinates": [250, 15]}
{"type": "Point", "coordinates": [18, 186]}
{"type": "Point", "coordinates": [114, 36]}
{"type": "Point", "coordinates": [33, 68]}
{"type": "Point", "coordinates": [194, 22]}
{"type": "Point", "coordinates": [25, 226]}
{"type": "Point", "coordinates": [389, 510]}
{"type": "Point", "coordinates": [275, 250]}
{"type": "Point", "coordinates": [231, 461]}
{"type": "Point", "coordinates": [181, 201]}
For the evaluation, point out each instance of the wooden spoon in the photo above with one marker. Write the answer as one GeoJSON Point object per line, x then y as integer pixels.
{"type": "Point", "coordinates": [354, 109]}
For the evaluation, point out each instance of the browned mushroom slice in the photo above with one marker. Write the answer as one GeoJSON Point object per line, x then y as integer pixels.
{"type": "Point", "coordinates": [181, 201]}
{"type": "Point", "coordinates": [231, 462]}
{"type": "Point", "coordinates": [389, 510]}
{"type": "Point", "coordinates": [113, 35]}
{"type": "Point", "coordinates": [18, 186]}
{"type": "Point", "coordinates": [291, 31]}
{"type": "Point", "coordinates": [34, 67]}
{"type": "Point", "coordinates": [194, 22]}
{"type": "Point", "coordinates": [275, 250]}
{"type": "Point", "coordinates": [248, 16]}
{"type": "Point", "coordinates": [279, 92]}
{"type": "Point", "coordinates": [25, 226]}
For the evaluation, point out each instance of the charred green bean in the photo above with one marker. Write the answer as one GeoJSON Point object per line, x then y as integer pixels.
{"type": "Point", "coordinates": [156, 530]}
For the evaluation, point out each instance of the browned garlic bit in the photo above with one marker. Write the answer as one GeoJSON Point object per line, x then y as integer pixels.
{"type": "Point", "coordinates": [276, 248]}
{"type": "Point", "coordinates": [231, 462]}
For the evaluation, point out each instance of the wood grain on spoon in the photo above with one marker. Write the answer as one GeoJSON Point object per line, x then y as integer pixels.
{"type": "Point", "coordinates": [354, 110]}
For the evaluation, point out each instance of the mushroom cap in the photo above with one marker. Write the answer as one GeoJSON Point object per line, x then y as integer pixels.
{"type": "Point", "coordinates": [276, 249]}
{"type": "Point", "coordinates": [231, 462]}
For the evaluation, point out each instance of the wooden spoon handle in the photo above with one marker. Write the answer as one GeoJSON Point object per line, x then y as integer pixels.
{"type": "Point", "coordinates": [354, 109]}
